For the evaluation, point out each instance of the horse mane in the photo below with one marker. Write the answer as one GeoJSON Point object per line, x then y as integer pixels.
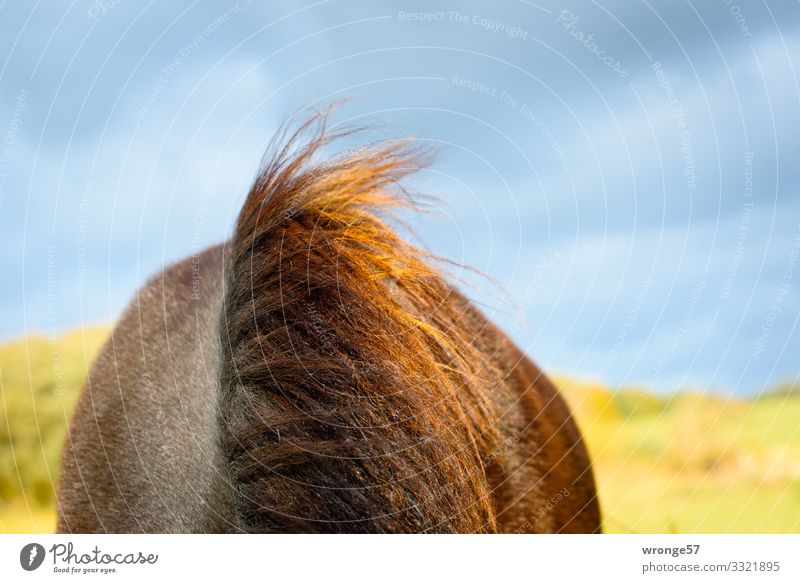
{"type": "Point", "coordinates": [352, 397]}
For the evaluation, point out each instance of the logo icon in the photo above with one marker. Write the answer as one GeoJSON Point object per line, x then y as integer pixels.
{"type": "Point", "coordinates": [31, 556]}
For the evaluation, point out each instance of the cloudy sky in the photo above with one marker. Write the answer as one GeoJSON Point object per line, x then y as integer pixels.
{"type": "Point", "coordinates": [627, 172]}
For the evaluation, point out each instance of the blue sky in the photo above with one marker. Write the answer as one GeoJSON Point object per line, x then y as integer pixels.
{"type": "Point", "coordinates": [626, 171]}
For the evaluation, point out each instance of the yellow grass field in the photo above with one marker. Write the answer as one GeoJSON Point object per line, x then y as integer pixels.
{"type": "Point", "coordinates": [690, 463]}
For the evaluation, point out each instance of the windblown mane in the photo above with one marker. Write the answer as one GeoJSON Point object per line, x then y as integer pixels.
{"type": "Point", "coordinates": [353, 399]}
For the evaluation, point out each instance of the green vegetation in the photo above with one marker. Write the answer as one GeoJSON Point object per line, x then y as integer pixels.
{"type": "Point", "coordinates": [693, 462]}
{"type": "Point", "coordinates": [40, 379]}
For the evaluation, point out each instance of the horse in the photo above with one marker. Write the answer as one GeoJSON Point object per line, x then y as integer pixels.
{"type": "Point", "coordinates": [317, 373]}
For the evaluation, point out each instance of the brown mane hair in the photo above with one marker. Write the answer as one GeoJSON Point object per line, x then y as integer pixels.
{"type": "Point", "coordinates": [316, 373]}
{"type": "Point", "coordinates": [355, 400]}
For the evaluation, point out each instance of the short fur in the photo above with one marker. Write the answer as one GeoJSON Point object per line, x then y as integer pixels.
{"type": "Point", "coordinates": [319, 374]}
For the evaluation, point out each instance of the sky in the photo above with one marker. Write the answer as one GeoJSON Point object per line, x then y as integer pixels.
{"type": "Point", "coordinates": [623, 174]}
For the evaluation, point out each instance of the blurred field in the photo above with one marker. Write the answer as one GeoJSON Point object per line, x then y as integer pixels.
{"type": "Point", "coordinates": [689, 463]}
{"type": "Point", "coordinates": [39, 382]}
{"type": "Point", "coordinates": [692, 462]}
